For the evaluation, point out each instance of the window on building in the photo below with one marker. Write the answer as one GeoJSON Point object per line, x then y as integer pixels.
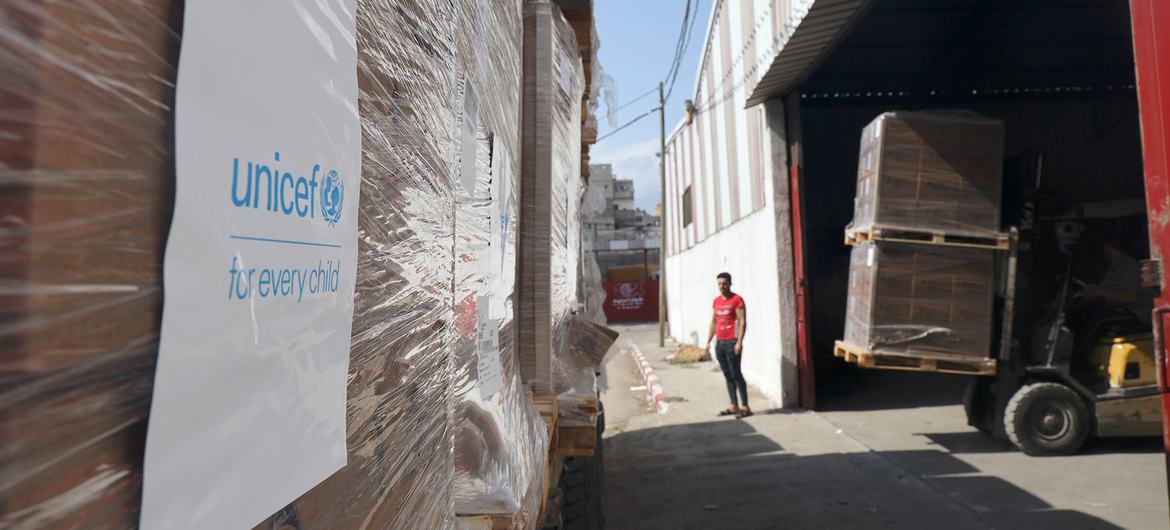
{"type": "Point", "coordinates": [686, 207]}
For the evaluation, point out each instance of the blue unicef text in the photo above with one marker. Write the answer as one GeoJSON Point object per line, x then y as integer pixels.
{"type": "Point", "coordinates": [283, 283]}
{"type": "Point", "coordinates": [270, 188]}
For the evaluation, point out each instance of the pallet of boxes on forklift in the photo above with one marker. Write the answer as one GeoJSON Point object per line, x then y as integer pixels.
{"type": "Point", "coordinates": [919, 307]}
{"type": "Point", "coordinates": [87, 198]}
{"type": "Point", "coordinates": [926, 240]}
{"type": "Point", "coordinates": [930, 176]}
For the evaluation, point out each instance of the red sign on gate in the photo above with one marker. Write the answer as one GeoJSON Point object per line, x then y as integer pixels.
{"type": "Point", "coordinates": [631, 301]}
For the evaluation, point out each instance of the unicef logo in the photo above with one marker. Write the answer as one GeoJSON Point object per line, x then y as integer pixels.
{"type": "Point", "coordinates": [332, 194]}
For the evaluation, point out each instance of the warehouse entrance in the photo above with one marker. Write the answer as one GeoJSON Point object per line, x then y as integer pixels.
{"type": "Point", "coordinates": [1060, 76]}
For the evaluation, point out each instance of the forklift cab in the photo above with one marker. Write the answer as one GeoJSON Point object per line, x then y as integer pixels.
{"type": "Point", "coordinates": [1048, 398]}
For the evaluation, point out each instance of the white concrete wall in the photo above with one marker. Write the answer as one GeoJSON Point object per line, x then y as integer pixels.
{"type": "Point", "coordinates": [712, 156]}
{"type": "Point", "coordinates": [746, 250]}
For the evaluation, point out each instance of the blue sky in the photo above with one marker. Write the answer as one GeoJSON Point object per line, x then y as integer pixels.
{"type": "Point", "coordinates": [637, 44]}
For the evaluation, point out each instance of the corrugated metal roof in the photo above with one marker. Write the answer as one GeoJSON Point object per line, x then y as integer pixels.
{"type": "Point", "coordinates": [978, 47]}
{"type": "Point", "coordinates": [826, 23]}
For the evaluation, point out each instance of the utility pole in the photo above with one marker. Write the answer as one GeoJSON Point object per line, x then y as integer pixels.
{"type": "Point", "coordinates": [662, 218]}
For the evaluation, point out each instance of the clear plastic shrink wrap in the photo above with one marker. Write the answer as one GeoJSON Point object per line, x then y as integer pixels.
{"type": "Point", "coordinates": [86, 178]}
{"type": "Point", "coordinates": [938, 172]}
{"type": "Point", "coordinates": [501, 442]}
{"type": "Point", "coordinates": [399, 422]}
{"type": "Point", "coordinates": [601, 86]}
{"type": "Point", "coordinates": [574, 383]}
{"type": "Point", "coordinates": [590, 283]}
{"type": "Point", "coordinates": [922, 300]}
{"type": "Point", "coordinates": [86, 187]}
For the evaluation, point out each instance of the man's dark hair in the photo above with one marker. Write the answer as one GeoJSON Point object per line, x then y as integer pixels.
{"type": "Point", "coordinates": [724, 275]}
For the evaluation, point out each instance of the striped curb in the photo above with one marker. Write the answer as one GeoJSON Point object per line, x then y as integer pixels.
{"type": "Point", "coordinates": [654, 392]}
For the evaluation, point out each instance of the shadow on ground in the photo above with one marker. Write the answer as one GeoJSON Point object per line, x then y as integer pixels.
{"type": "Point", "coordinates": [723, 474]}
{"type": "Point", "coordinates": [855, 389]}
{"type": "Point", "coordinates": [969, 442]}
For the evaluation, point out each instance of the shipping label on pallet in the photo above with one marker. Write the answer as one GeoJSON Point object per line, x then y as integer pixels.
{"type": "Point", "coordinates": [489, 370]}
{"type": "Point", "coordinates": [249, 400]}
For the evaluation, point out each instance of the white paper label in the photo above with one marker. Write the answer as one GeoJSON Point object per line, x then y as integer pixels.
{"type": "Point", "coordinates": [869, 257]}
{"type": "Point", "coordinates": [469, 144]}
{"type": "Point", "coordinates": [500, 218]}
{"type": "Point", "coordinates": [489, 371]}
{"type": "Point", "coordinates": [249, 394]}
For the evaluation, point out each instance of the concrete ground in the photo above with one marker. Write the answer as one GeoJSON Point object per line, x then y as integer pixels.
{"type": "Point", "coordinates": [878, 455]}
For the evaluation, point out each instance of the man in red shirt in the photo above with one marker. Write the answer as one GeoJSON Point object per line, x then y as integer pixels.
{"type": "Point", "coordinates": [728, 325]}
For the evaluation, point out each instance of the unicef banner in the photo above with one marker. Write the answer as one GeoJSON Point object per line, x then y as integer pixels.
{"type": "Point", "coordinates": [249, 394]}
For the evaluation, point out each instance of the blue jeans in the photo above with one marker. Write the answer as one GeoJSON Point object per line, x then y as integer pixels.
{"type": "Point", "coordinates": [730, 363]}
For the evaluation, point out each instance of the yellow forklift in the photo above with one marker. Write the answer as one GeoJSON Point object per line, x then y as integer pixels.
{"type": "Point", "coordinates": [1053, 389]}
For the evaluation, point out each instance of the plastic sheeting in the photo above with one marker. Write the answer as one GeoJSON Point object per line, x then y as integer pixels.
{"type": "Point", "coordinates": [86, 171]}
{"type": "Point", "coordinates": [938, 172]}
{"type": "Point", "coordinates": [911, 299]}
{"type": "Point", "coordinates": [85, 195]}
{"type": "Point", "coordinates": [593, 202]}
{"type": "Point", "coordinates": [574, 383]}
{"type": "Point", "coordinates": [501, 442]}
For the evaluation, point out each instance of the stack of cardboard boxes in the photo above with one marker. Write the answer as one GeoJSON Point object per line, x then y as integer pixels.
{"type": "Point", "coordinates": [87, 155]}
{"type": "Point", "coordinates": [925, 236]}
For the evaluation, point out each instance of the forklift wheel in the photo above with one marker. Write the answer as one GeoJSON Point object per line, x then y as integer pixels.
{"type": "Point", "coordinates": [1046, 419]}
{"type": "Point", "coordinates": [974, 405]}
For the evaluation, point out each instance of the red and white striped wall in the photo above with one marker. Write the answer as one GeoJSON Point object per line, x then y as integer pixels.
{"type": "Point", "coordinates": [721, 164]}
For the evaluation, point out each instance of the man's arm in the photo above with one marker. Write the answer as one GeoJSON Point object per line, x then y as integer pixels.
{"type": "Point", "coordinates": [1119, 297]}
{"type": "Point", "coordinates": [741, 328]}
{"type": "Point", "coordinates": [711, 331]}
{"type": "Point", "coordinates": [1130, 291]}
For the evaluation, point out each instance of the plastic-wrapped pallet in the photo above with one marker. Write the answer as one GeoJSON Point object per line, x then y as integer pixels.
{"type": "Point", "coordinates": [553, 89]}
{"type": "Point", "coordinates": [398, 408]}
{"type": "Point", "coordinates": [921, 301]}
{"type": "Point", "coordinates": [934, 172]}
{"type": "Point", "coordinates": [87, 156]}
{"type": "Point", "coordinates": [86, 177]}
{"type": "Point", "coordinates": [501, 442]}
{"type": "Point", "coordinates": [574, 383]}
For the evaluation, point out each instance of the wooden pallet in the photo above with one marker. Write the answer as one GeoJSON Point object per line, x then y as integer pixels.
{"type": "Point", "coordinates": [489, 522]}
{"type": "Point", "coordinates": [587, 405]}
{"type": "Point", "coordinates": [914, 363]}
{"type": "Point", "coordinates": [576, 440]}
{"type": "Point", "coordinates": [546, 405]}
{"type": "Point", "coordinates": [996, 242]}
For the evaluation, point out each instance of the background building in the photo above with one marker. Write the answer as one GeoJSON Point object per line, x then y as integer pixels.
{"type": "Point", "coordinates": [616, 224]}
{"type": "Point", "coordinates": [625, 241]}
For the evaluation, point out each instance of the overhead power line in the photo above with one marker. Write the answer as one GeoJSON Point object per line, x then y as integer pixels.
{"type": "Point", "coordinates": [635, 100]}
{"type": "Point", "coordinates": [627, 124]}
{"type": "Point", "coordinates": [686, 32]}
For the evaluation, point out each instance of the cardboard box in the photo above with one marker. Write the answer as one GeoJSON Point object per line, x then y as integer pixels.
{"type": "Point", "coordinates": [550, 188]}
{"type": "Point", "coordinates": [931, 172]}
{"type": "Point", "coordinates": [913, 299]}
{"type": "Point", "coordinates": [85, 147]}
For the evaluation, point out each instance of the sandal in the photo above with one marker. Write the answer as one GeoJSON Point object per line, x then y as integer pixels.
{"type": "Point", "coordinates": [726, 412]}
{"type": "Point", "coordinates": [743, 414]}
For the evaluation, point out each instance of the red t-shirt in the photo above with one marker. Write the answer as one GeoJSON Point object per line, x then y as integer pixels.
{"type": "Point", "coordinates": [725, 316]}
